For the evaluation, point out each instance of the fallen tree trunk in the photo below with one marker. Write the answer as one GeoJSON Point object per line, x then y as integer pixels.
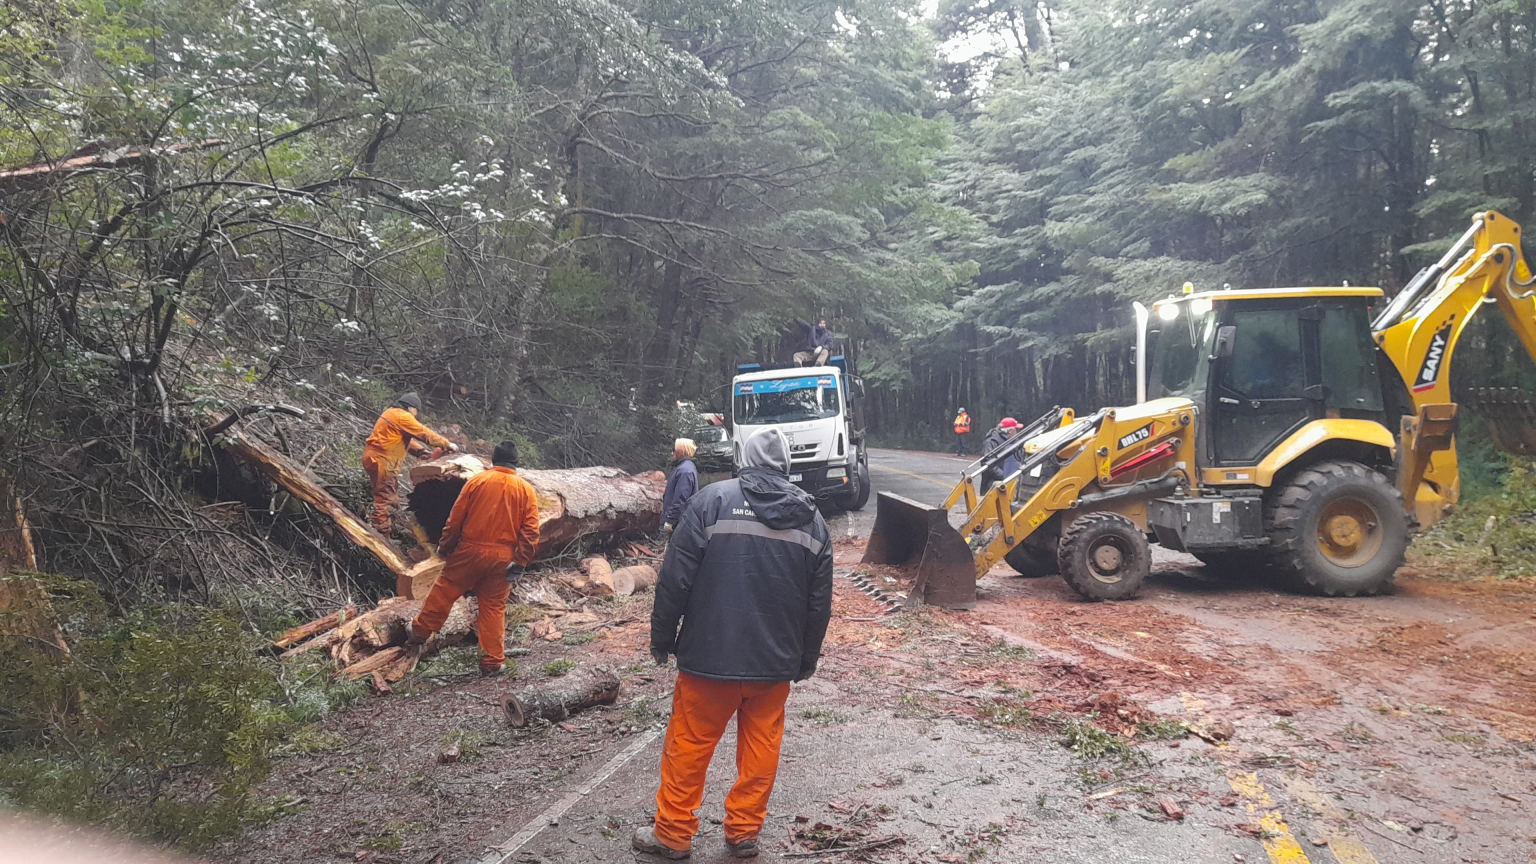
{"type": "Point", "coordinates": [315, 627]}
{"type": "Point", "coordinates": [305, 487]}
{"type": "Point", "coordinates": [573, 503]}
{"type": "Point", "coordinates": [557, 699]}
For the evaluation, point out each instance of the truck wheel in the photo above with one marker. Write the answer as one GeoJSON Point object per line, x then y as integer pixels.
{"type": "Point", "coordinates": [861, 495]}
{"type": "Point", "coordinates": [1104, 556]}
{"type": "Point", "coordinates": [1338, 529]}
{"type": "Point", "coordinates": [1036, 556]}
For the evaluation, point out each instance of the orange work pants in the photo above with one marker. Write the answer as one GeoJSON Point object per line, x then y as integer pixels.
{"type": "Point", "coordinates": [701, 708]}
{"type": "Point", "coordinates": [483, 571]}
{"type": "Point", "coordinates": [385, 477]}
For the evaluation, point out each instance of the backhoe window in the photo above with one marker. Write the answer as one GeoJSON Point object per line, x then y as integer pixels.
{"type": "Point", "coordinates": [1266, 359]}
{"type": "Point", "coordinates": [1180, 350]}
{"type": "Point", "coordinates": [1349, 359]}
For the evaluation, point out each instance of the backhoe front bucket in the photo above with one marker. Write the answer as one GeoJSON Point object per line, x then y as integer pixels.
{"type": "Point", "coordinates": [906, 532]}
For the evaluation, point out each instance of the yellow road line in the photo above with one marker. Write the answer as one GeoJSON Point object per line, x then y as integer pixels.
{"type": "Point", "coordinates": [1276, 836]}
{"type": "Point", "coordinates": [1345, 847]}
{"type": "Point", "coordinates": [910, 474]}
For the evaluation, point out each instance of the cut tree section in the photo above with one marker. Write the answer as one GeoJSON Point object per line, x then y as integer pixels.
{"type": "Point", "coordinates": [573, 502]}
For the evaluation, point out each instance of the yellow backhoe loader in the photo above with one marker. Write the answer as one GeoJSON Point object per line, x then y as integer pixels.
{"type": "Point", "coordinates": [1303, 430]}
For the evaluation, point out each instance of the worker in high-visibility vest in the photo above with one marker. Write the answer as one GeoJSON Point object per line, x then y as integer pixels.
{"type": "Point", "coordinates": [962, 429]}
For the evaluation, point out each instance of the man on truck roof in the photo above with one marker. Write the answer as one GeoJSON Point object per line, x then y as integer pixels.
{"type": "Point", "coordinates": [815, 346]}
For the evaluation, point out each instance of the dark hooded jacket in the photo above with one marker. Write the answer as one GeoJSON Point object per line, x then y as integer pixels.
{"type": "Point", "coordinates": [813, 337]}
{"type": "Point", "coordinates": [681, 486]}
{"type": "Point", "coordinates": [749, 575]}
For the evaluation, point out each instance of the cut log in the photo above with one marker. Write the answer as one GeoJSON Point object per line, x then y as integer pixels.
{"type": "Point", "coordinates": [418, 581]}
{"type": "Point", "coordinates": [585, 585]}
{"type": "Point", "coordinates": [561, 697]}
{"type": "Point", "coordinates": [306, 487]}
{"type": "Point", "coordinates": [315, 627]}
{"type": "Point", "coordinates": [628, 580]}
{"type": "Point", "coordinates": [598, 570]}
{"type": "Point", "coordinates": [573, 503]}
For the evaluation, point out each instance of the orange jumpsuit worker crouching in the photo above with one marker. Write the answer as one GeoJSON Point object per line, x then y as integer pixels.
{"type": "Point", "coordinates": [396, 432]}
{"type": "Point", "coordinates": [490, 537]}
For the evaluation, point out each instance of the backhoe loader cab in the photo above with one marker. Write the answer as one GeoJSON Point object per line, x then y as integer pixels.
{"type": "Point", "coordinates": [1262, 365]}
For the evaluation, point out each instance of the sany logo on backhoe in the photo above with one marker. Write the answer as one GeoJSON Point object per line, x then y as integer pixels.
{"type": "Point", "coordinates": [1434, 358]}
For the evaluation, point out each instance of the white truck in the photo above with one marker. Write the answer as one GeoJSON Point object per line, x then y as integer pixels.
{"type": "Point", "coordinates": [819, 410]}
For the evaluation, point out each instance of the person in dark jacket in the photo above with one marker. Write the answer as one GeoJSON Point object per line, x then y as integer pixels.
{"type": "Point", "coordinates": [815, 343]}
{"type": "Point", "coordinates": [682, 485]}
{"type": "Point", "coordinates": [749, 575]}
{"type": "Point", "coordinates": [1001, 434]}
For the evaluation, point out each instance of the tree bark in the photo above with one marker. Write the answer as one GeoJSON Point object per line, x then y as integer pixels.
{"type": "Point", "coordinates": [561, 697]}
{"type": "Point", "coordinates": [573, 502]}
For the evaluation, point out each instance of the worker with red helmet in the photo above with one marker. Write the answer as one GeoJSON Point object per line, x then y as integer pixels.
{"type": "Point", "coordinates": [1005, 430]}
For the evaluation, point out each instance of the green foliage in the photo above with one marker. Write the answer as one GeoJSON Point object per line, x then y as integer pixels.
{"type": "Point", "coordinates": [1004, 712]}
{"type": "Point", "coordinates": [558, 667]}
{"type": "Point", "coordinates": [1090, 742]}
{"type": "Point", "coordinates": [158, 724]}
{"type": "Point", "coordinates": [825, 716]}
{"type": "Point", "coordinates": [1493, 533]}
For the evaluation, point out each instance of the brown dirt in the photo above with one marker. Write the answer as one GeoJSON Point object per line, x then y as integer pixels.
{"type": "Point", "coordinates": [1030, 654]}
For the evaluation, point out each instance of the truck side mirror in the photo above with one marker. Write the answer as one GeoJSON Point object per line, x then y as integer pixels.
{"type": "Point", "coordinates": [858, 387]}
{"type": "Point", "coordinates": [1226, 337]}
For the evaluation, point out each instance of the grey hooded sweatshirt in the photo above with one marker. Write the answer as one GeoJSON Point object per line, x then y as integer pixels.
{"type": "Point", "coordinates": [749, 575]}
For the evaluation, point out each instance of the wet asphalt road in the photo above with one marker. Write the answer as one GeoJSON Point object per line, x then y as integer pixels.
{"type": "Point", "coordinates": [959, 791]}
{"type": "Point", "coordinates": [952, 788]}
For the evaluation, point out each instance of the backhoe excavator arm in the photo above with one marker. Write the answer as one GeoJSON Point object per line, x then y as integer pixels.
{"type": "Point", "coordinates": [1419, 331]}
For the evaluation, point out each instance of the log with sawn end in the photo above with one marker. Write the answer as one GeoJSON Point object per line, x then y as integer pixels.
{"type": "Point", "coordinates": [559, 698]}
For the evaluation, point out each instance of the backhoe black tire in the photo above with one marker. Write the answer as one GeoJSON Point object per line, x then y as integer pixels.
{"type": "Point", "coordinates": [1338, 529]}
{"type": "Point", "coordinates": [1104, 556]}
{"type": "Point", "coordinates": [1031, 562]}
{"type": "Point", "coordinates": [1234, 561]}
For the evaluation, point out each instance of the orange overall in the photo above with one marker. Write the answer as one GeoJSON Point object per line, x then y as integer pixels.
{"type": "Point", "coordinates": [494, 522]}
{"type": "Point", "coordinates": [394, 433]}
{"type": "Point", "coordinates": [701, 709]}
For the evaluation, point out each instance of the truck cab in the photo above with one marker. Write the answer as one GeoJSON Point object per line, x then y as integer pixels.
{"type": "Point", "coordinates": [819, 411]}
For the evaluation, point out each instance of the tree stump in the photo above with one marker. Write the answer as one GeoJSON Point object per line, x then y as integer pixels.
{"type": "Point", "coordinates": [559, 698]}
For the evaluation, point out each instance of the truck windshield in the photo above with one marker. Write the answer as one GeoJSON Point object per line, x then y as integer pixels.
{"type": "Point", "coordinates": [1180, 350]}
{"type": "Point", "coordinates": [786, 400]}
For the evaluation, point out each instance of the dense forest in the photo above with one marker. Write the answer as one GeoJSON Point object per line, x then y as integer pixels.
{"type": "Point", "coordinates": [555, 219]}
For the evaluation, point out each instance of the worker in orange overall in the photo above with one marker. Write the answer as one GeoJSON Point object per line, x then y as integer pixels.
{"type": "Point", "coordinates": [490, 537]}
{"type": "Point", "coordinates": [962, 429]}
{"type": "Point", "coordinates": [396, 433]}
{"type": "Point", "coordinates": [748, 575]}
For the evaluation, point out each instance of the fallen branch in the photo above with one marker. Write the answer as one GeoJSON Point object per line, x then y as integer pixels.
{"type": "Point", "coordinates": [299, 483]}
{"type": "Point", "coordinates": [841, 850]}
{"type": "Point", "coordinates": [249, 410]}
{"type": "Point", "coordinates": [315, 627]}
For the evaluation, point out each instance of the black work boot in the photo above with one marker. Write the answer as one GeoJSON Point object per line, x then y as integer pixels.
{"type": "Point", "coordinates": [745, 848]}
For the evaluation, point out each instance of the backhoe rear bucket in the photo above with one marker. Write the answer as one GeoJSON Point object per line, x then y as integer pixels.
{"type": "Point", "coordinates": [906, 532]}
